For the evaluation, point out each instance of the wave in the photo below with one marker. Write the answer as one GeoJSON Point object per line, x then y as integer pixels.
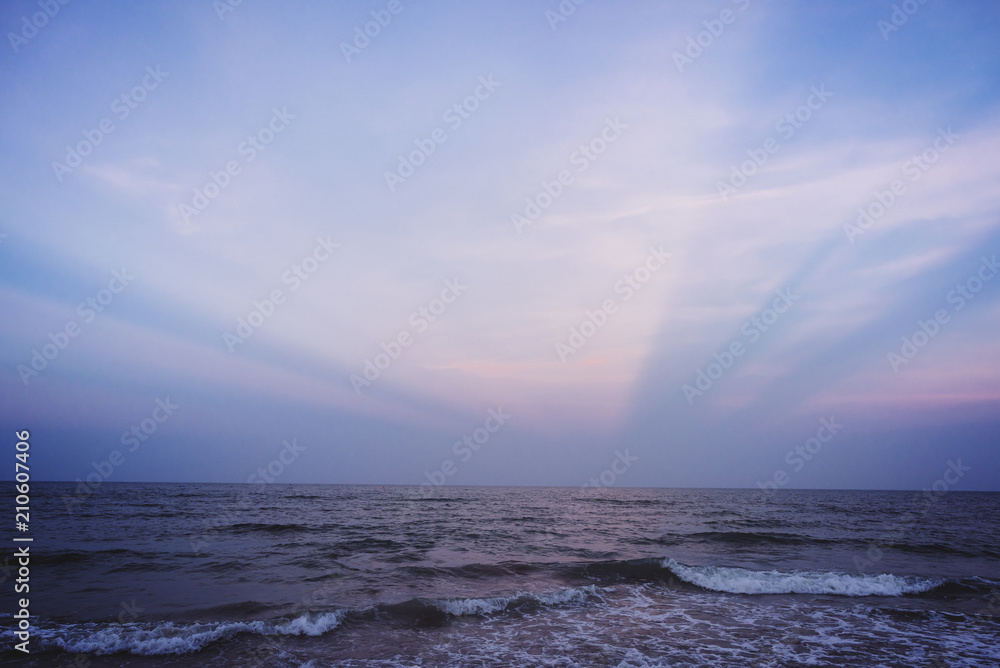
{"type": "Point", "coordinates": [71, 557]}
{"type": "Point", "coordinates": [742, 533]}
{"type": "Point", "coordinates": [486, 606]}
{"type": "Point", "coordinates": [670, 573]}
{"type": "Point", "coordinates": [175, 638]}
{"type": "Point", "coordinates": [745, 581]}
{"type": "Point", "coordinates": [742, 538]}
{"type": "Point", "coordinates": [166, 638]}
{"type": "Point", "coordinates": [667, 572]}
{"type": "Point", "coordinates": [764, 538]}
{"type": "Point", "coordinates": [258, 527]}
{"type": "Point", "coordinates": [427, 612]}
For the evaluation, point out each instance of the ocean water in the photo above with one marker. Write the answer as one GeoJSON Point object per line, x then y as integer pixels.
{"type": "Point", "coordinates": [315, 576]}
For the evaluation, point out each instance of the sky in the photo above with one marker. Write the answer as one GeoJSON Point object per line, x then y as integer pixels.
{"type": "Point", "coordinates": [717, 244]}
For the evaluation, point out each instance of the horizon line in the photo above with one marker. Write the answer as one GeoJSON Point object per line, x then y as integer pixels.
{"type": "Point", "coordinates": [369, 484]}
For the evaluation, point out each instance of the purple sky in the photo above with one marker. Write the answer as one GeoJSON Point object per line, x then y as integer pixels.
{"type": "Point", "coordinates": [690, 231]}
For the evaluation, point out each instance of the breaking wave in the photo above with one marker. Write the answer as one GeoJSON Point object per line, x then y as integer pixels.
{"type": "Point", "coordinates": [744, 581]}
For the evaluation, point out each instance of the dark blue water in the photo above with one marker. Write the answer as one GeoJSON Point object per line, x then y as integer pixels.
{"type": "Point", "coordinates": [306, 575]}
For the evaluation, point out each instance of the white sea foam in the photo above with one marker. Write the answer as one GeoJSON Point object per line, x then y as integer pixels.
{"type": "Point", "coordinates": [484, 606]}
{"type": "Point", "coordinates": [636, 659]}
{"type": "Point", "coordinates": [744, 581]}
{"type": "Point", "coordinates": [170, 638]}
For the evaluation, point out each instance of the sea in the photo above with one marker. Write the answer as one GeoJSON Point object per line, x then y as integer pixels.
{"type": "Point", "coordinates": [315, 576]}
